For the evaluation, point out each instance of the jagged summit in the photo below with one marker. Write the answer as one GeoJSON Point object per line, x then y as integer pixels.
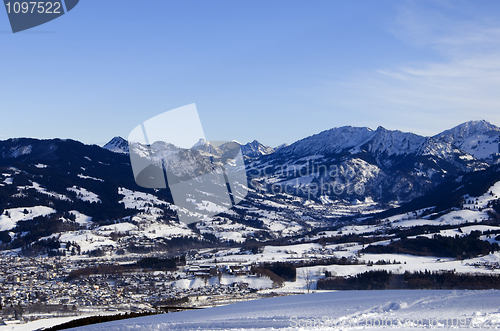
{"type": "Point", "coordinates": [468, 129]}
{"type": "Point", "coordinates": [249, 150]}
{"type": "Point", "coordinates": [205, 146]}
{"type": "Point", "coordinates": [356, 140]}
{"type": "Point", "coordinates": [394, 142]}
{"type": "Point", "coordinates": [255, 149]}
{"type": "Point", "coordinates": [117, 145]}
{"type": "Point", "coordinates": [200, 142]}
{"type": "Point", "coordinates": [330, 141]}
{"type": "Point", "coordinates": [481, 139]}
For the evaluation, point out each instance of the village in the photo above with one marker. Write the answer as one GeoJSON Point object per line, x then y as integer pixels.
{"type": "Point", "coordinates": [32, 288]}
{"type": "Point", "coordinates": [73, 285]}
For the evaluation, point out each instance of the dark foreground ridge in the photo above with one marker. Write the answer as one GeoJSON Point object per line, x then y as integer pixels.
{"type": "Point", "coordinates": [98, 319]}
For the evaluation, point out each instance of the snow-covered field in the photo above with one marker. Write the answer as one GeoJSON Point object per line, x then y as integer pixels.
{"type": "Point", "coordinates": [37, 187]}
{"type": "Point", "coordinates": [36, 325]}
{"type": "Point", "coordinates": [10, 217]}
{"type": "Point", "coordinates": [41, 324]}
{"type": "Point", "coordinates": [141, 201]}
{"type": "Point", "coordinates": [84, 195]}
{"type": "Point", "coordinates": [343, 310]}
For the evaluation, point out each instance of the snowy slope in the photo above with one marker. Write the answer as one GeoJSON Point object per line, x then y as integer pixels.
{"type": "Point", "coordinates": [37, 187]}
{"type": "Point", "coordinates": [256, 149]}
{"type": "Point", "coordinates": [84, 195]}
{"type": "Point", "coordinates": [478, 138]}
{"type": "Point", "coordinates": [343, 310]}
{"type": "Point", "coordinates": [204, 146]}
{"type": "Point", "coordinates": [356, 139]}
{"type": "Point", "coordinates": [11, 216]}
{"type": "Point", "coordinates": [394, 142]}
{"type": "Point", "coordinates": [252, 149]}
{"type": "Point", "coordinates": [331, 141]}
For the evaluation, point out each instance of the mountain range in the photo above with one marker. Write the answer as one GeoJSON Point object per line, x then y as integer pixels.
{"type": "Point", "coordinates": [57, 186]}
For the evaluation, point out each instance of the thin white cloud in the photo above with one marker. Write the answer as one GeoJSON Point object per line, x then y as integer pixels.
{"type": "Point", "coordinates": [463, 83]}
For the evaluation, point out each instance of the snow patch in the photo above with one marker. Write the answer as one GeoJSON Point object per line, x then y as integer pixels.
{"type": "Point", "coordinates": [10, 217]}
{"type": "Point", "coordinates": [84, 195]}
{"type": "Point", "coordinates": [81, 219]}
{"type": "Point", "coordinates": [40, 189]}
{"type": "Point", "coordinates": [88, 177]}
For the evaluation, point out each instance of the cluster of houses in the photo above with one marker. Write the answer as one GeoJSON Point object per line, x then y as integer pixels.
{"type": "Point", "coordinates": [486, 264]}
{"type": "Point", "coordinates": [214, 270]}
{"type": "Point", "coordinates": [44, 282]}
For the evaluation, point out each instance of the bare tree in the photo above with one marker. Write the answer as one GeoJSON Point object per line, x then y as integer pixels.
{"type": "Point", "coordinates": [308, 279]}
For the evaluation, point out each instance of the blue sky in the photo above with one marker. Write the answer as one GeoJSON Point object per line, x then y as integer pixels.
{"type": "Point", "coordinates": [275, 71]}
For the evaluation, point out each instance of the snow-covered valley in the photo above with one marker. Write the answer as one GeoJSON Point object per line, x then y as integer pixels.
{"type": "Point", "coordinates": [363, 203]}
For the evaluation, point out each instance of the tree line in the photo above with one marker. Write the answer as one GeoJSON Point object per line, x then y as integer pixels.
{"type": "Point", "coordinates": [426, 280]}
{"type": "Point", "coordinates": [457, 247]}
{"type": "Point", "coordinates": [150, 263]}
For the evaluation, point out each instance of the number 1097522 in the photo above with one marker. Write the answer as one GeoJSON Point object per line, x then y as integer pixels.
{"type": "Point", "coordinates": [41, 7]}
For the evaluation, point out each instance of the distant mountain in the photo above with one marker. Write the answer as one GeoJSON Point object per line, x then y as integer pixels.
{"type": "Point", "coordinates": [477, 138]}
{"type": "Point", "coordinates": [391, 166]}
{"type": "Point", "coordinates": [281, 146]}
{"type": "Point", "coordinates": [251, 150]}
{"type": "Point", "coordinates": [388, 143]}
{"type": "Point", "coordinates": [332, 141]}
{"type": "Point", "coordinates": [256, 149]}
{"type": "Point", "coordinates": [49, 186]}
{"type": "Point", "coordinates": [117, 145]}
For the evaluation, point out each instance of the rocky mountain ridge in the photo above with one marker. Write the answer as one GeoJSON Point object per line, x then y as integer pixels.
{"type": "Point", "coordinates": [53, 186]}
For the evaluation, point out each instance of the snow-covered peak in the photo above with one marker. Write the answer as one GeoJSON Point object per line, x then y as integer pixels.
{"type": "Point", "coordinates": [201, 142]}
{"type": "Point", "coordinates": [481, 139]}
{"type": "Point", "coordinates": [204, 146]}
{"type": "Point", "coordinates": [356, 140]}
{"type": "Point", "coordinates": [468, 129]}
{"type": "Point", "coordinates": [390, 142]}
{"type": "Point", "coordinates": [178, 161]}
{"type": "Point", "coordinates": [255, 149]}
{"type": "Point", "coordinates": [117, 145]}
{"type": "Point", "coordinates": [440, 149]}
{"type": "Point", "coordinates": [331, 141]}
